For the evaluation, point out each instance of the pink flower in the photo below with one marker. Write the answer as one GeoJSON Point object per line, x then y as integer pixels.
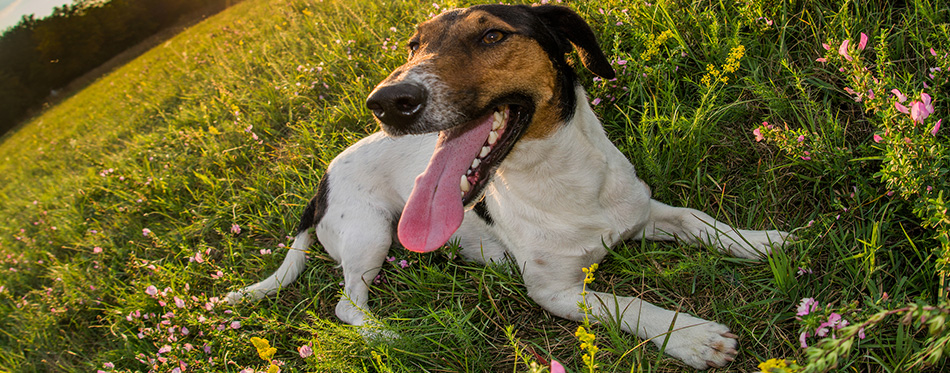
{"type": "Point", "coordinates": [863, 43]}
{"type": "Point", "coordinates": [802, 337]}
{"type": "Point", "coordinates": [236, 229]}
{"type": "Point", "coordinates": [595, 101]}
{"type": "Point", "coordinates": [843, 50]}
{"type": "Point", "coordinates": [235, 325]}
{"type": "Point", "coordinates": [920, 110]}
{"type": "Point", "coordinates": [901, 108]}
{"type": "Point", "coordinates": [96, 250]}
{"type": "Point", "coordinates": [151, 290]}
{"type": "Point", "coordinates": [807, 305]}
{"type": "Point", "coordinates": [928, 104]}
{"type": "Point", "coordinates": [403, 263]}
{"type": "Point", "coordinates": [179, 302]}
{"type": "Point", "coordinates": [146, 232]}
{"type": "Point", "coordinates": [265, 251]}
{"type": "Point", "coordinates": [556, 367]}
{"type": "Point", "coordinates": [801, 138]}
{"type": "Point", "coordinates": [878, 138]}
{"type": "Point", "coordinates": [826, 46]}
{"type": "Point", "coordinates": [900, 96]}
{"type": "Point", "coordinates": [108, 365]}
{"type": "Point", "coordinates": [164, 349]}
{"type": "Point", "coordinates": [305, 351]}
{"type": "Point", "coordinates": [936, 128]}
{"type": "Point", "coordinates": [390, 258]}
{"type": "Point", "coordinates": [821, 59]}
{"type": "Point", "coordinates": [861, 333]}
{"type": "Point", "coordinates": [933, 52]}
{"type": "Point", "coordinates": [758, 135]}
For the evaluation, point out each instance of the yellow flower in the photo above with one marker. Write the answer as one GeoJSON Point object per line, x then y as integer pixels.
{"type": "Point", "coordinates": [778, 366]}
{"type": "Point", "coordinates": [264, 350]}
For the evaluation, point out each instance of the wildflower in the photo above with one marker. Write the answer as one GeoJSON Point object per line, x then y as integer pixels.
{"type": "Point", "coordinates": [928, 104]}
{"type": "Point", "coordinates": [900, 96]}
{"type": "Point", "coordinates": [403, 263]}
{"type": "Point", "coordinates": [596, 101]}
{"type": "Point", "coordinates": [235, 325]}
{"type": "Point", "coordinates": [264, 350]}
{"type": "Point", "coordinates": [305, 351]}
{"type": "Point", "coordinates": [265, 251]}
{"type": "Point", "coordinates": [901, 108]}
{"type": "Point", "coordinates": [802, 339]}
{"type": "Point", "coordinates": [179, 302]}
{"type": "Point", "coordinates": [803, 270]}
{"type": "Point", "coordinates": [151, 290]}
{"type": "Point", "coordinates": [826, 46]}
{"type": "Point", "coordinates": [164, 349]}
{"type": "Point", "coordinates": [878, 138]}
{"type": "Point", "coordinates": [807, 306]}
{"type": "Point", "coordinates": [758, 135]}
{"type": "Point", "coordinates": [556, 367]}
{"type": "Point", "coordinates": [821, 59]}
{"type": "Point", "coordinates": [918, 112]}
{"type": "Point", "coordinates": [801, 138]}
{"type": "Point", "coordinates": [770, 364]}
{"type": "Point", "coordinates": [843, 50]}
{"type": "Point", "coordinates": [96, 250]}
{"type": "Point", "coordinates": [936, 128]}
{"type": "Point", "coordinates": [863, 43]}
{"type": "Point", "coordinates": [390, 258]}
{"type": "Point", "coordinates": [146, 232]}
{"type": "Point", "coordinates": [236, 229]}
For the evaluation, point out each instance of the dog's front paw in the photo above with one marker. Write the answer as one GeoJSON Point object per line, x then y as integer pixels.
{"type": "Point", "coordinates": [757, 244]}
{"type": "Point", "coordinates": [701, 344]}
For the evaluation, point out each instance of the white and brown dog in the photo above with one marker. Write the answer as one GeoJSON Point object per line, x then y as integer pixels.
{"type": "Point", "coordinates": [489, 140]}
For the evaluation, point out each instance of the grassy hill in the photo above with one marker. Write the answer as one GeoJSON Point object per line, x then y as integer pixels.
{"type": "Point", "coordinates": [127, 210]}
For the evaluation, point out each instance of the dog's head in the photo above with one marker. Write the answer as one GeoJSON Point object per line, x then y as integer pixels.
{"type": "Point", "coordinates": [484, 78]}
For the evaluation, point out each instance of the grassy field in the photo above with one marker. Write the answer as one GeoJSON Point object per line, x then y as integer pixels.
{"type": "Point", "coordinates": [129, 209]}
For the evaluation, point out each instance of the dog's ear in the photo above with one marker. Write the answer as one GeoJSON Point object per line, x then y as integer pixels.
{"type": "Point", "coordinates": [569, 26]}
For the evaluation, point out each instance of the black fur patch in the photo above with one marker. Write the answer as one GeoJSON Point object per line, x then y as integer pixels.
{"type": "Point", "coordinates": [313, 214]}
{"type": "Point", "coordinates": [481, 209]}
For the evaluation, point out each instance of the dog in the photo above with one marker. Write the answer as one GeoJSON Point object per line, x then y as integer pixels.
{"type": "Point", "coordinates": [488, 139]}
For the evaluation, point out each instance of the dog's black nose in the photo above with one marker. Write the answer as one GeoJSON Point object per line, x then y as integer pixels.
{"type": "Point", "coordinates": [397, 105]}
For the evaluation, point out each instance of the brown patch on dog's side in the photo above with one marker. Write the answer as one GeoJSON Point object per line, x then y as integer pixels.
{"type": "Point", "coordinates": [477, 73]}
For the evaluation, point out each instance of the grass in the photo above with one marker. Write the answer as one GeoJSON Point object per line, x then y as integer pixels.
{"type": "Point", "coordinates": [121, 186]}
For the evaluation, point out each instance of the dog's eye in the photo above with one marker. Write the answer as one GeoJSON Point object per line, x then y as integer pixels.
{"type": "Point", "coordinates": [413, 46]}
{"type": "Point", "coordinates": [493, 36]}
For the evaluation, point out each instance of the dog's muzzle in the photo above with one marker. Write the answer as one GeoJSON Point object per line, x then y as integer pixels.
{"type": "Point", "coordinates": [398, 105]}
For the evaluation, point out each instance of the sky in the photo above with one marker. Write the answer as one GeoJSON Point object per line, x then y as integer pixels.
{"type": "Point", "coordinates": [12, 10]}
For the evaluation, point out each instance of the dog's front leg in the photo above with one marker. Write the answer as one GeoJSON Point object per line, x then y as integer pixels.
{"type": "Point", "coordinates": [667, 223]}
{"type": "Point", "coordinates": [556, 284]}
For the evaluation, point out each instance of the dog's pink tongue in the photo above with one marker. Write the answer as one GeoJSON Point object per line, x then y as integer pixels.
{"type": "Point", "coordinates": [434, 209]}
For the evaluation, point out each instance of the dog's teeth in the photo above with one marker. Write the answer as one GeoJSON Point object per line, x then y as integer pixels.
{"type": "Point", "coordinates": [499, 120]}
{"type": "Point", "coordinates": [484, 152]}
{"type": "Point", "coordinates": [492, 137]}
{"type": "Point", "coordinates": [465, 185]}
{"type": "Point", "coordinates": [475, 164]}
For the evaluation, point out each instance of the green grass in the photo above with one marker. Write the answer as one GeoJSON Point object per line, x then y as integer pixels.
{"type": "Point", "coordinates": [234, 121]}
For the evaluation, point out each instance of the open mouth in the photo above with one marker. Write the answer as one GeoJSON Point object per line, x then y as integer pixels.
{"type": "Point", "coordinates": [493, 150]}
{"type": "Point", "coordinates": [461, 166]}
